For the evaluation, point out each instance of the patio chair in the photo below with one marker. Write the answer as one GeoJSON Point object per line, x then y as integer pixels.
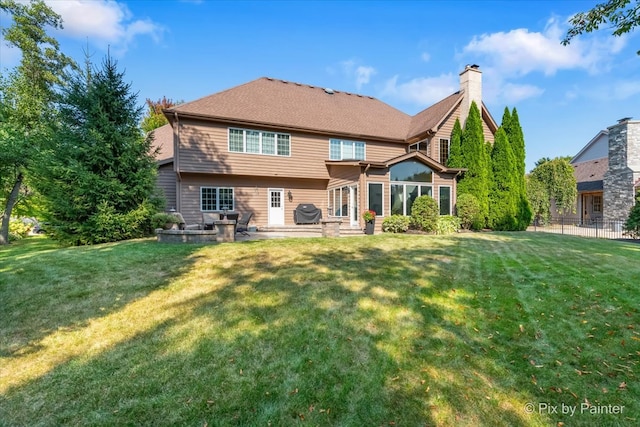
{"type": "Point", "coordinates": [243, 224]}
{"type": "Point", "coordinates": [209, 220]}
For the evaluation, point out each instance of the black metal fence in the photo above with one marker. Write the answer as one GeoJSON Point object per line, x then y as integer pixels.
{"type": "Point", "coordinates": [597, 228]}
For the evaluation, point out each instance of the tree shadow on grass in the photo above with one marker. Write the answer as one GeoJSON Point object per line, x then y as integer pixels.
{"type": "Point", "coordinates": [366, 335]}
{"type": "Point", "coordinates": [66, 288]}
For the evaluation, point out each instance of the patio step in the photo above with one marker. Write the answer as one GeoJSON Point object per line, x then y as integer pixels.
{"type": "Point", "coordinates": [310, 228]}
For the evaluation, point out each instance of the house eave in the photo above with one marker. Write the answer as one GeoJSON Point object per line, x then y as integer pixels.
{"type": "Point", "coordinates": [281, 127]}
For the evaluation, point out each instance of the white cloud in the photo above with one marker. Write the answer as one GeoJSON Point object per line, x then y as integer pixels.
{"type": "Point", "coordinates": [425, 56]}
{"type": "Point", "coordinates": [520, 52]}
{"type": "Point", "coordinates": [422, 91]}
{"type": "Point", "coordinates": [512, 93]}
{"type": "Point", "coordinates": [361, 73]}
{"type": "Point", "coordinates": [105, 21]}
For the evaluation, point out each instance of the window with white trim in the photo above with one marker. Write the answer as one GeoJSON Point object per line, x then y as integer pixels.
{"type": "Point", "coordinates": [375, 197]}
{"type": "Point", "coordinates": [444, 199]}
{"type": "Point", "coordinates": [422, 146]}
{"type": "Point", "coordinates": [259, 142]}
{"type": "Point", "coordinates": [444, 151]}
{"type": "Point", "coordinates": [216, 199]}
{"type": "Point", "coordinates": [340, 149]}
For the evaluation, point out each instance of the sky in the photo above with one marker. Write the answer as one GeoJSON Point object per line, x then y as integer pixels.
{"type": "Point", "coordinates": [408, 54]}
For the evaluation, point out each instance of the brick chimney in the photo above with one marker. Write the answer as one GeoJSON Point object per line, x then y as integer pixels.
{"type": "Point", "coordinates": [471, 86]}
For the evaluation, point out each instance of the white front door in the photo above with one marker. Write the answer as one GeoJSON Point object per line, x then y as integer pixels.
{"type": "Point", "coordinates": [276, 206]}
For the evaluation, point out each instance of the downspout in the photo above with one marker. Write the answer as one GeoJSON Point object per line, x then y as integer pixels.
{"type": "Point", "coordinates": [176, 162]}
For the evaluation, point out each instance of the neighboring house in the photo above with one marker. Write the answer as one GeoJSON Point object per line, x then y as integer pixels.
{"type": "Point", "coordinates": [590, 165]}
{"type": "Point", "coordinates": [607, 172]}
{"type": "Point", "coordinates": [268, 145]}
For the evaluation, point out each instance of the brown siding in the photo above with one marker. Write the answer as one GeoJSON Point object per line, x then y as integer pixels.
{"type": "Point", "coordinates": [251, 194]}
{"type": "Point", "coordinates": [381, 152]}
{"type": "Point", "coordinates": [343, 175]}
{"type": "Point", "coordinates": [204, 149]}
{"type": "Point", "coordinates": [445, 132]}
{"type": "Point", "coordinates": [166, 182]}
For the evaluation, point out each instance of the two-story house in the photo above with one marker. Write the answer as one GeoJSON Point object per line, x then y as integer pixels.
{"type": "Point", "coordinates": [268, 145]}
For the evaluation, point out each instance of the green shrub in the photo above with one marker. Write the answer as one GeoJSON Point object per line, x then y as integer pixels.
{"type": "Point", "coordinates": [396, 224]}
{"type": "Point", "coordinates": [158, 220]}
{"type": "Point", "coordinates": [632, 224]}
{"type": "Point", "coordinates": [18, 229]}
{"type": "Point", "coordinates": [447, 224]}
{"type": "Point", "coordinates": [468, 210]}
{"type": "Point", "coordinates": [425, 213]}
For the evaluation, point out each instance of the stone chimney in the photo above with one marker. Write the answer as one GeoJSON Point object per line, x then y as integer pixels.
{"type": "Point", "coordinates": [624, 169]}
{"type": "Point", "coordinates": [471, 86]}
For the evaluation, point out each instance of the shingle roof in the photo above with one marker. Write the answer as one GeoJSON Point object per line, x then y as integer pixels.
{"type": "Point", "coordinates": [163, 139]}
{"type": "Point", "coordinates": [589, 175]}
{"type": "Point", "coordinates": [285, 104]}
{"type": "Point", "coordinates": [431, 117]}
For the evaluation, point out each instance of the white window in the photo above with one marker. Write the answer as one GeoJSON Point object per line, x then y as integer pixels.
{"type": "Point", "coordinates": [259, 142]}
{"type": "Point", "coordinates": [216, 199]}
{"type": "Point", "coordinates": [346, 150]}
{"type": "Point", "coordinates": [422, 146]}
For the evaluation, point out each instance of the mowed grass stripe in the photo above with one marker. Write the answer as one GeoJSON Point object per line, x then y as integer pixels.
{"type": "Point", "coordinates": [376, 330]}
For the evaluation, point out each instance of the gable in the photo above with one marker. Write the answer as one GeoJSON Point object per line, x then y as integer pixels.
{"type": "Point", "coordinates": [597, 148]}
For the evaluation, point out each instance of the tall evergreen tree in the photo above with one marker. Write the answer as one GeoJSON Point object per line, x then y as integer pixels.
{"type": "Point", "coordinates": [511, 123]}
{"type": "Point", "coordinates": [474, 153]}
{"type": "Point", "coordinates": [455, 150]}
{"type": "Point", "coordinates": [504, 194]}
{"type": "Point", "coordinates": [102, 172]}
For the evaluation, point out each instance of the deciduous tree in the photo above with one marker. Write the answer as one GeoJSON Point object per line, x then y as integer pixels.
{"type": "Point", "coordinates": [558, 183]}
{"type": "Point", "coordinates": [26, 98]}
{"type": "Point", "coordinates": [621, 15]}
{"type": "Point", "coordinates": [154, 118]}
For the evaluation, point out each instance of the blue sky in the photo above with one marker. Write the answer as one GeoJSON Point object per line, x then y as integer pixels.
{"type": "Point", "coordinates": [407, 54]}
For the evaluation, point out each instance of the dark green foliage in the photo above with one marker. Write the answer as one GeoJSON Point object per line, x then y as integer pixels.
{"type": "Point", "coordinates": [447, 224]}
{"type": "Point", "coordinates": [396, 224]}
{"type": "Point", "coordinates": [101, 175]}
{"type": "Point", "coordinates": [632, 224]}
{"type": "Point", "coordinates": [468, 210]}
{"type": "Point", "coordinates": [504, 195]}
{"type": "Point", "coordinates": [511, 125]}
{"type": "Point", "coordinates": [425, 213]}
{"type": "Point", "coordinates": [455, 149]}
{"type": "Point", "coordinates": [474, 152]}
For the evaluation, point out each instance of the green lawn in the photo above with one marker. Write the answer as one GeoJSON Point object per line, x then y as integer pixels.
{"type": "Point", "coordinates": [482, 329]}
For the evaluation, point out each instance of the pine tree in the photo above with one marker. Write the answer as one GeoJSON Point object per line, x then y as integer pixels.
{"type": "Point", "coordinates": [474, 153]}
{"type": "Point", "coordinates": [504, 195]}
{"type": "Point", "coordinates": [102, 171]}
{"type": "Point", "coordinates": [455, 150]}
{"type": "Point", "coordinates": [511, 123]}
